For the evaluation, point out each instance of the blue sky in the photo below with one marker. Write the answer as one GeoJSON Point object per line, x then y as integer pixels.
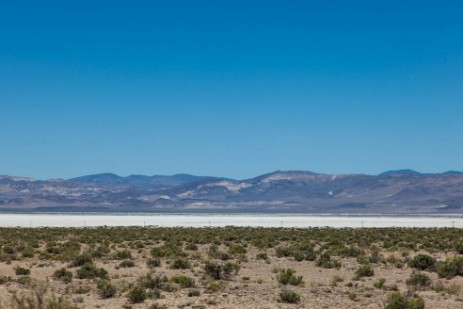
{"type": "Point", "coordinates": [229, 88]}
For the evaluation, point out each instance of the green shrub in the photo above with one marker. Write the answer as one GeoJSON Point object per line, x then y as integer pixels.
{"type": "Point", "coordinates": [150, 282]}
{"type": "Point", "coordinates": [422, 262]}
{"type": "Point", "coordinates": [90, 271]}
{"type": "Point", "coordinates": [28, 252]}
{"type": "Point", "coordinates": [418, 281]}
{"type": "Point", "coordinates": [396, 300]}
{"type": "Point", "coordinates": [214, 253]}
{"type": "Point", "coordinates": [127, 264]}
{"type": "Point", "coordinates": [450, 268]}
{"type": "Point", "coordinates": [4, 279]}
{"type": "Point", "coordinates": [261, 256]}
{"type": "Point", "coordinates": [325, 261]}
{"type": "Point", "coordinates": [236, 249]}
{"type": "Point", "coordinates": [286, 276]}
{"type": "Point", "coordinates": [24, 280]}
{"type": "Point", "coordinates": [81, 260]}
{"type": "Point", "coordinates": [194, 293]}
{"type": "Point", "coordinates": [379, 284]}
{"type": "Point", "coordinates": [180, 264]}
{"type": "Point", "coordinates": [283, 252]}
{"type": "Point", "coordinates": [152, 262]}
{"type": "Point", "coordinates": [63, 274]}
{"type": "Point", "coordinates": [21, 271]}
{"type": "Point", "coordinates": [364, 271]}
{"type": "Point", "coordinates": [123, 255]}
{"type": "Point", "coordinates": [191, 247]}
{"type": "Point", "coordinates": [291, 297]}
{"type": "Point", "coordinates": [183, 281]}
{"type": "Point", "coordinates": [220, 271]}
{"type": "Point", "coordinates": [137, 295]}
{"type": "Point", "coordinates": [105, 289]}
{"type": "Point", "coordinates": [82, 289]}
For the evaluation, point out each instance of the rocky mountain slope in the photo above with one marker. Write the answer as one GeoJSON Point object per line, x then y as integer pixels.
{"type": "Point", "coordinates": [401, 192]}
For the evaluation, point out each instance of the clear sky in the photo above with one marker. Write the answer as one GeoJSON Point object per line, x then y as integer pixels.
{"type": "Point", "coordinates": [230, 88]}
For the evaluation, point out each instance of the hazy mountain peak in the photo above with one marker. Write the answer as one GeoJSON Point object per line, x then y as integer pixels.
{"type": "Point", "coordinates": [400, 172]}
{"type": "Point", "coordinates": [17, 178]}
{"type": "Point", "coordinates": [453, 173]}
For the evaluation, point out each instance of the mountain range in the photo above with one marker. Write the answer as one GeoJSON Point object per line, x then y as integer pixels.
{"type": "Point", "coordinates": [392, 192]}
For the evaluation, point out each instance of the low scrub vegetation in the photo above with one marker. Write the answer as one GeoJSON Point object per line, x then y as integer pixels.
{"type": "Point", "coordinates": [154, 266]}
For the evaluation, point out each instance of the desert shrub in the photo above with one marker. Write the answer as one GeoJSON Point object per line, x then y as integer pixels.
{"type": "Point", "coordinates": [167, 251]}
{"type": "Point", "coordinates": [4, 279]}
{"type": "Point", "coordinates": [155, 294]}
{"type": "Point", "coordinates": [379, 284]}
{"type": "Point", "coordinates": [325, 261]}
{"type": "Point", "coordinates": [127, 264]}
{"type": "Point", "coordinates": [183, 281]}
{"type": "Point", "coordinates": [137, 295]}
{"type": "Point", "coordinates": [459, 248]}
{"type": "Point", "coordinates": [364, 271]}
{"type": "Point", "coordinates": [214, 253]}
{"type": "Point", "coordinates": [287, 276]}
{"type": "Point", "coordinates": [28, 252]}
{"type": "Point", "coordinates": [335, 280]}
{"type": "Point", "coordinates": [262, 256]}
{"type": "Point", "coordinates": [24, 280]}
{"type": "Point", "coordinates": [194, 293]}
{"type": "Point", "coordinates": [396, 300]}
{"type": "Point", "coordinates": [191, 247]}
{"type": "Point", "coordinates": [351, 251]}
{"type": "Point", "coordinates": [236, 249]}
{"type": "Point", "coordinates": [21, 271]}
{"type": "Point", "coordinates": [38, 300]}
{"type": "Point", "coordinates": [422, 262]}
{"type": "Point", "coordinates": [291, 297]}
{"type": "Point", "coordinates": [9, 250]}
{"type": "Point", "coordinates": [90, 271]}
{"type": "Point", "coordinates": [63, 274]}
{"type": "Point", "coordinates": [220, 271]}
{"type": "Point", "coordinates": [100, 251]}
{"type": "Point", "coordinates": [105, 289]}
{"type": "Point", "coordinates": [82, 289]}
{"type": "Point", "coordinates": [168, 287]}
{"type": "Point", "coordinates": [450, 268]}
{"type": "Point", "coordinates": [180, 264]}
{"type": "Point", "coordinates": [375, 257]}
{"type": "Point", "coordinates": [352, 295]}
{"type": "Point", "coordinates": [418, 281]}
{"type": "Point", "coordinates": [150, 282]}
{"type": "Point", "coordinates": [123, 255]}
{"type": "Point", "coordinates": [152, 262]}
{"type": "Point", "coordinates": [283, 251]}
{"type": "Point", "coordinates": [81, 260]}
{"type": "Point", "coordinates": [453, 288]}
{"type": "Point", "coordinates": [213, 270]}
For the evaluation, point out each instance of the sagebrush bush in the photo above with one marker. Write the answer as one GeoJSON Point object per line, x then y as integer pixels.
{"type": "Point", "coordinates": [21, 271]}
{"type": "Point", "coordinates": [422, 262]}
{"type": "Point", "coordinates": [364, 271]}
{"type": "Point", "coordinates": [291, 297]}
{"type": "Point", "coordinates": [137, 295]}
{"type": "Point", "coordinates": [287, 276]}
{"type": "Point", "coordinates": [395, 300]}
{"type": "Point", "coordinates": [418, 281]}
{"type": "Point", "coordinates": [105, 289]}
{"type": "Point", "coordinates": [63, 274]}
{"type": "Point", "coordinates": [90, 271]}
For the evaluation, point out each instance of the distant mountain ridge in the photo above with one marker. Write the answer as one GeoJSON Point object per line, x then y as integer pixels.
{"type": "Point", "coordinates": [398, 191]}
{"type": "Point", "coordinates": [109, 179]}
